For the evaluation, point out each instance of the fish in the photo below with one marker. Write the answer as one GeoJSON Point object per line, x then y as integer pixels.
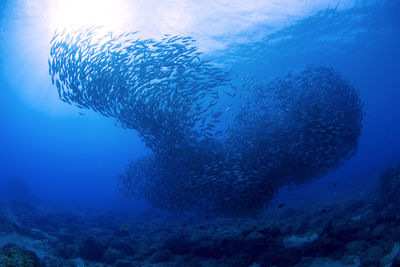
{"type": "Point", "coordinates": [172, 98]}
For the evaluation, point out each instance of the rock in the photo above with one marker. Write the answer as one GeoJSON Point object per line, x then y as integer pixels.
{"type": "Point", "coordinates": [7, 227]}
{"type": "Point", "coordinates": [372, 256]}
{"type": "Point", "coordinates": [396, 261]}
{"type": "Point", "coordinates": [67, 238]}
{"type": "Point", "coordinates": [255, 242]}
{"type": "Point", "coordinates": [37, 234]}
{"type": "Point", "coordinates": [57, 262]}
{"type": "Point", "coordinates": [388, 215]}
{"type": "Point", "coordinates": [178, 244]}
{"type": "Point", "coordinates": [300, 227]}
{"type": "Point", "coordinates": [368, 217]}
{"type": "Point", "coordinates": [112, 255]}
{"type": "Point", "coordinates": [208, 251]}
{"type": "Point", "coordinates": [273, 232]}
{"type": "Point", "coordinates": [390, 186]}
{"type": "Point", "coordinates": [231, 245]}
{"type": "Point", "coordinates": [185, 260]}
{"type": "Point", "coordinates": [280, 257]}
{"type": "Point", "coordinates": [348, 260]}
{"type": "Point", "coordinates": [92, 249]}
{"type": "Point", "coordinates": [387, 247]}
{"type": "Point", "coordinates": [23, 229]}
{"type": "Point", "coordinates": [345, 230]}
{"type": "Point", "coordinates": [325, 247]}
{"type": "Point", "coordinates": [233, 262]}
{"type": "Point", "coordinates": [334, 237]}
{"type": "Point", "coordinates": [379, 231]}
{"type": "Point", "coordinates": [12, 255]}
{"type": "Point", "coordinates": [246, 232]}
{"type": "Point", "coordinates": [160, 256]}
{"type": "Point", "coordinates": [355, 206]}
{"type": "Point", "coordinates": [355, 247]}
{"type": "Point", "coordinates": [125, 263]}
{"type": "Point", "coordinates": [124, 246]}
{"type": "Point", "coordinates": [121, 231]}
{"type": "Point", "coordinates": [94, 264]}
{"type": "Point", "coordinates": [66, 251]}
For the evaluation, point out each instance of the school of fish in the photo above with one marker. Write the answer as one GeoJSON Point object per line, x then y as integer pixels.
{"type": "Point", "coordinates": [208, 155]}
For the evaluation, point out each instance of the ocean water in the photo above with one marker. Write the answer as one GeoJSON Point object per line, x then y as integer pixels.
{"type": "Point", "coordinates": [105, 161]}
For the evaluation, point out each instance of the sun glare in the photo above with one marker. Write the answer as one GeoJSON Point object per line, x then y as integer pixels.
{"type": "Point", "coordinates": [112, 14]}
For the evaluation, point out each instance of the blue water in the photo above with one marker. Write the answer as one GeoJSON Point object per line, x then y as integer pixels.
{"type": "Point", "coordinates": [64, 155]}
{"type": "Point", "coordinates": [64, 158]}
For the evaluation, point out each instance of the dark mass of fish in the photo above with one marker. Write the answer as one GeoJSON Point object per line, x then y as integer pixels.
{"type": "Point", "coordinates": [155, 88]}
{"type": "Point", "coordinates": [287, 131]}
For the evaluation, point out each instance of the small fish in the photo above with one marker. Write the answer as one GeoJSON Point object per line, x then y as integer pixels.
{"type": "Point", "coordinates": [171, 96]}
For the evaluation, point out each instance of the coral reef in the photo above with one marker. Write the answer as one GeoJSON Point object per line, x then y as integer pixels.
{"type": "Point", "coordinates": [363, 232]}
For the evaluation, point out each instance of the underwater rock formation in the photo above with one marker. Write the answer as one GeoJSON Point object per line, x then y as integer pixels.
{"type": "Point", "coordinates": [390, 186]}
{"type": "Point", "coordinates": [288, 131]}
{"type": "Point", "coordinates": [12, 255]}
{"type": "Point", "coordinates": [92, 249]}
